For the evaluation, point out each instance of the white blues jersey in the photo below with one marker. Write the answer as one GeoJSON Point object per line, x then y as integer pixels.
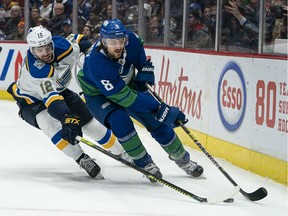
{"type": "Point", "coordinates": [40, 81]}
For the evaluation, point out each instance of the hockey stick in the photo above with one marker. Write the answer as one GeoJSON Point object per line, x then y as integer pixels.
{"type": "Point", "coordinates": [254, 196]}
{"type": "Point", "coordinates": [220, 198]}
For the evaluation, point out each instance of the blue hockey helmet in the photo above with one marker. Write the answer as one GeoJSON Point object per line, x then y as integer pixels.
{"type": "Point", "coordinates": [113, 29]}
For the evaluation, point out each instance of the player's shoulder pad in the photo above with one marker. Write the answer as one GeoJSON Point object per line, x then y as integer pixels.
{"type": "Point", "coordinates": [135, 37]}
{"type": "Point", "coordinates": [62, 47]}
{"type": "Point", "coordinates": [37, 67]}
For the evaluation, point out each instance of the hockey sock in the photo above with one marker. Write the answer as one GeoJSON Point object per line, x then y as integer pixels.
{"type": "Point", "coordinates": [73, 151]}
{"type": "Point", "coordinates": [169, 141]}
{"type": "Point", "coordinates": [174, 148]}
{"type": "Point", "coordinates": [135, 149]}
{"type": "Point", "coordinates": [110, 142]}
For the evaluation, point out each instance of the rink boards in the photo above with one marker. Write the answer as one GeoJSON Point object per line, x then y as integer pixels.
{"type": "Point", "coordinates": [237, 106]}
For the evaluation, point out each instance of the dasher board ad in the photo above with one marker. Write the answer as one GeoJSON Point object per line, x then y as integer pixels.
{"type": "Point", "coordinates": [240, 100]}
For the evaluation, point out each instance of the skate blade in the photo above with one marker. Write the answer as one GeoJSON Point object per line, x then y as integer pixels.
{"type": "Point", "coordinates": [202, 176]}
{"type": "Point", "coordinates": [99, 176]}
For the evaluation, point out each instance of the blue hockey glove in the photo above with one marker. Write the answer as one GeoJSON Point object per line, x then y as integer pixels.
{"type": "Point", "coordinates": [71, 127]}
{"type": "Point", "coordinates": [170, 115]}
{"type": "Point", "coordinates": [146, 74]}
{"type": "Point", "coordinates": [84, 44]}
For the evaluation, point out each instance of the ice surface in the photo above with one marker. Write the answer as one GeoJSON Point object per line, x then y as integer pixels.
{"type": "Point", "coordinates": [36, 179]}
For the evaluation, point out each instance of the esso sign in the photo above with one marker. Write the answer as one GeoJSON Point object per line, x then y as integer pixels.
{"type": "Point", "coordinates": [231, 96]}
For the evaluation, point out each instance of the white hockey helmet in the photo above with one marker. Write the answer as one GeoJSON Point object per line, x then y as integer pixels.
{"type": "Point", "coordinates": [38, 36]}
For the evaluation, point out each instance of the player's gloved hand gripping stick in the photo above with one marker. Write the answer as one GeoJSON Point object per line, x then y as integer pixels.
{"type": "Point", "coordinates": [71, 127]}
{"type": "Point", "coordinates": [170, 115]}
{"type": "Point", "coordinates": [146, 74]}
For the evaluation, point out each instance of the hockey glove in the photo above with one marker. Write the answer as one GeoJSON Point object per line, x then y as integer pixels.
{"type": "Point", "coordinates": [84, 44]}
{"type": "Point", "coordinates": [146, 74]}
{"type": "Point", "coordinates": [170, 115]}
{"type": "Point", "coordinates": [71, 127]}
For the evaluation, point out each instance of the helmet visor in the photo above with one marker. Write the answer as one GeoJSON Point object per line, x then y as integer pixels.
{"type": "Point", "coordinates": [116, 42]}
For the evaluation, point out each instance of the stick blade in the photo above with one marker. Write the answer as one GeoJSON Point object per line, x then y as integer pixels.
{"type": "Point", "coordinates": [259, 194]}
{"type": "Point", "coordinates": [223, 196]}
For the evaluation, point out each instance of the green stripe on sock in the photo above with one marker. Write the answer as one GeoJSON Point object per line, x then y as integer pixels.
{"type": "Point", "coordinates": [134, 147]}
{"type": "Point", "coordinates": [175, 149]}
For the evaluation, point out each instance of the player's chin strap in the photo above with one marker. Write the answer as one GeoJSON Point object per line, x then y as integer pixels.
{"type": "Point", "coordinates": [254, 196]}
{"type": "Point", "coordinates": [224, 197]}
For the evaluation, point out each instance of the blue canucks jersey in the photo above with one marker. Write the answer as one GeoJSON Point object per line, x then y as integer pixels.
{"type": "Point", "coordinates": [114, 78]}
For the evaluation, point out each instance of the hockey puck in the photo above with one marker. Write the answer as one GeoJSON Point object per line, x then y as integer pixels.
{"type": "Point", "coordinates": [230, 200]}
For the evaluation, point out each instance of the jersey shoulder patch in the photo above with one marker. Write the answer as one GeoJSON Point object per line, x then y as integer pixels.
{"type": "Point", "coordinates": [39, 64]}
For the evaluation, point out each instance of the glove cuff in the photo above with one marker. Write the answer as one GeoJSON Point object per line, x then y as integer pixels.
{"type": "Point", "coordinates": [71, 119]}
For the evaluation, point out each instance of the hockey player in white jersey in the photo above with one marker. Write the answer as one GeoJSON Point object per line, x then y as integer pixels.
{"type": "Point", "coordinates": [45, 101]}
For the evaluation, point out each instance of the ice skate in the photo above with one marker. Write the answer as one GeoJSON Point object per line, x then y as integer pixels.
{"type": "Point", "coordinates": [126, 157]}
{"type": "Point", "coordinates": [153, 169]}
{"type": "Point", "coordinates": [90, 166]}
{"type": "Point", "coordinates": [190, 167]}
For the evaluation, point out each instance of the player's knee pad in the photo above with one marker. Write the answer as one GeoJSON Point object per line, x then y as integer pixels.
{"type": "Point", "coordinates": [49, 125]}
{"type": "Point", "coordinates": [120, 123]}
{"type": "Point", "coordinates": [163, 134]}
{"type": "Point", "coordinates": [30, 112]}
{"type": "Point", "coordinates": [101, 107]}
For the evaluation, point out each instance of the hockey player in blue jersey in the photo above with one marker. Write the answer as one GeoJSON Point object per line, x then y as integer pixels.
{"type": "Point", "coordinates": [46, 103]}
{"type": "Point", "coordinates": [114, 92]}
